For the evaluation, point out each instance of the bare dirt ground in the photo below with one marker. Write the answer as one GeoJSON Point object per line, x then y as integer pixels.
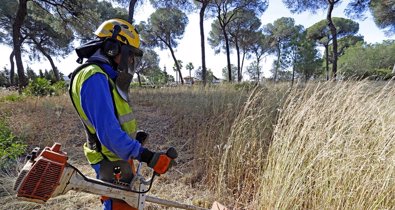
{"type": "Point", "coordinates": [179, 184]}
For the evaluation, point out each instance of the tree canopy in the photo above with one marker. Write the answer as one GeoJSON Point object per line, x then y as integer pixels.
{"type": "Point", "coordinates": [47, 30]}
{"type": "Point", "coordinates": [164, 28]}
{"type": "Point", "coordinates": [320, 33]}
{"type": "Point", "coordinates": [383, 12]}
{"type": "Point", "coordinates": [226, 12]}
{"type": "Point", "coordinates": [366, 60]}
{"type": "Point", "coordinates": [50, 27]}
{"type": "Point", "coordinates": [281, 34]}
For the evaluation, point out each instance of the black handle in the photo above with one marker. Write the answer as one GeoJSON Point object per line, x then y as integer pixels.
{"type": "Point", "coordinates": [142, 137]}
{"type": "Point", "coordinates": [33, 154]}
{"type": "Point", "coordinates": [172, 153]}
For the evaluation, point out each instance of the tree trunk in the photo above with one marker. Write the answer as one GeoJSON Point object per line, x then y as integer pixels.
{"type": "Point", "coordinates": [202, 39]}
{"type": "Point", "coordinates": [177, 65]}
{"type": "Point", "coordinates": [182, 79]}
{"type": "Point", "coordinates": [257, 70]}
{"type": "Point", "coordinates": [54, 68]}
{"type": "Point", "coordinates": [132, 4]}
{"type": "Point", "coordinates": [334, 36]}
{"type": "Point", "coordinates": [12, 69]}
{"type": "Point", "coordinates": [278, 62]}
{"type": "Point", "coordinates": [239, 76]}
{"type": "Point", "coordinates": [227, 52]}
{"type": "Point", "coordinates": [242, 59]}
{"type": "Point", "coordinates": [327, 61]}
{"type": "Point", "coordinates": [190, 77]}
{"type": "Point", "coordinates": [293, 75]}
{"type": "Point", "coordinates": [16, 38]}
{"type": "Point", "coordinates": [139, 79]}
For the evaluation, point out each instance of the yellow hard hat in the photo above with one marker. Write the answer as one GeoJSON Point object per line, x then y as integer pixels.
{"type": "Point", "coordinates": [127, 35]}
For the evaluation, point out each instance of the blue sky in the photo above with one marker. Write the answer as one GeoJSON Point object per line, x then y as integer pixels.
{"type": "Point", "coordinates": [189, 47]}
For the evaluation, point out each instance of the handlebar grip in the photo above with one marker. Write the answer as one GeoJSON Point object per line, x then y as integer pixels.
{"type": "Point", "coordinates": [142, 136]}
{"type": "Point", "coordinates": [172, 153]}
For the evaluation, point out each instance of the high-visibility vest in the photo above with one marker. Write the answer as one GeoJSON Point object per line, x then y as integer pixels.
{"type": "Point", "coordinates": [94, 151]}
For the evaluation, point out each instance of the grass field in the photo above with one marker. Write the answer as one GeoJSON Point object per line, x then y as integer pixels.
{"type": "Point", "coordinates": [315, 146]}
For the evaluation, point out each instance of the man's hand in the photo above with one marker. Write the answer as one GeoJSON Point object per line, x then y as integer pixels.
{"type": "Point", "coordinates": [161, 162]}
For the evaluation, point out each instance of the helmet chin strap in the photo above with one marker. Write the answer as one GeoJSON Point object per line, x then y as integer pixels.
{"type": "Point", "coordinates": [124, 79]}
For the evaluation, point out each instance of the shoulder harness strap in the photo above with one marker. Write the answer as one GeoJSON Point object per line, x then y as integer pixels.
{"type": "Point", "coordinates": [93, 141]}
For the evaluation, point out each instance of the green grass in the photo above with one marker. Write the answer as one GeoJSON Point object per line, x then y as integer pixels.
{"type": "Point", "coordinates": [11, 146]}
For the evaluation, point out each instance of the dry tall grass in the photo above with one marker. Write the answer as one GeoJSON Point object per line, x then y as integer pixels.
{"type": "Point", "coordinates": [333, 148]}
{"type": "Point", "coordinates": [324, 146]}
{"type": "Point", "coordinates": [227, 129]}
{"type": "Point", "coordinates": [202, 119]}
{"type": "Point", "coordinates": [41, 121]}
{"type": "Point", "coordinates": [244, 152]}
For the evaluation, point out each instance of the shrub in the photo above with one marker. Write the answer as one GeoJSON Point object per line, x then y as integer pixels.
{"type": "Point", "coordinates": [383, 74]}
{"type": "Point", "coordinates": [40, 87]}
{"type": "Point", "coordinates": [59, 87]}
{"type": "Point", "coordinates": [134, 85]}
{"type": "Point", "coordinates": [11, 146]}
{"type": "Point", "coordinates": [12, 97]}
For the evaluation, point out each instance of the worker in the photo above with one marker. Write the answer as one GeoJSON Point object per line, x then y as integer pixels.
{"type": "Point", "coordinates": [99, 92]}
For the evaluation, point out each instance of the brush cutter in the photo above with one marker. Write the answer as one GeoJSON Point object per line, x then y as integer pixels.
{"type": "Point", "coordinates": [47, 174]}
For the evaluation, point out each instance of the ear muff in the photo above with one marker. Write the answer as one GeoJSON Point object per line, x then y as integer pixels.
{"type": "Point", "coordinates": [111, 47]}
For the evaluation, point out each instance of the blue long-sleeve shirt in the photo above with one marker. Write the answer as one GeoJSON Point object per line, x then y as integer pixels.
{"type": "Point", "coordinates": [98, 106]}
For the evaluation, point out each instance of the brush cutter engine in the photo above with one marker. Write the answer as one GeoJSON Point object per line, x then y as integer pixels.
{"type": "Point", "coordinates": [47, 174]}
{"type": "Point", "coordinates": [41, 175]}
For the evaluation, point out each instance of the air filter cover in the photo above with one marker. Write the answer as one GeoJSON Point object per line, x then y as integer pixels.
{"type": "Point", "coordinates": [40, 178]}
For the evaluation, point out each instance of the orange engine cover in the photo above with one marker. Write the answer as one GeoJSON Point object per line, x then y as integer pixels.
{"type": "Point", "coordinates": [43, 177]}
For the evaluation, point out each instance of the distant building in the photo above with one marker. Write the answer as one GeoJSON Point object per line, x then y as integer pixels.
{"type": "Point", "coordinates": [216, 80]}
{"type": "Point", "coordinates": [189, 80]}
{"type": "Point", "coordinates": [193, 80]}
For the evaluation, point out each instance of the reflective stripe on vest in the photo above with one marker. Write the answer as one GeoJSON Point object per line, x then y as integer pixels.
{"type": "Point", "coordinates": [126, 118]}
{"type": "Point", "coordinates": [87, 122]}
{"type": "Point", "coordinates": [123, 111]}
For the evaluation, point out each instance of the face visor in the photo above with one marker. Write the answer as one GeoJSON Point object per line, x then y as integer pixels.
{"type": "Point", "coordinates": [133, 58]}
{"type": "Point", "coordinates": [130, 58]}
{"type": "Point", "coordinates": [133, 63]}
